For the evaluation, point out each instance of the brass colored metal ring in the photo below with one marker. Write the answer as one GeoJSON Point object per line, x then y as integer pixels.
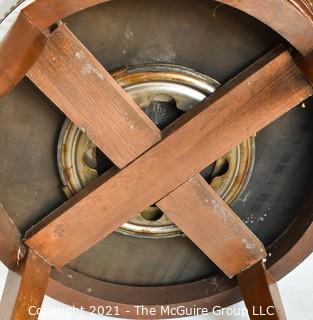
{"type": "Point", "coordinates": [166, 86]}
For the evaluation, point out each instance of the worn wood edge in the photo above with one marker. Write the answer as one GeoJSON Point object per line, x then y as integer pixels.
{"type": "Point", "coordinates": [249, 249]}
{"type": "Point", "coordinates": [12, 250]}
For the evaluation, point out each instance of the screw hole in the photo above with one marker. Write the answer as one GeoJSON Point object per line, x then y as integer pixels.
{"type": "Point", "coordinates": [152, 213]}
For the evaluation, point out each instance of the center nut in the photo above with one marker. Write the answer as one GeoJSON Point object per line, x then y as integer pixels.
{"type": "Point", "coordinates": [164, 92]}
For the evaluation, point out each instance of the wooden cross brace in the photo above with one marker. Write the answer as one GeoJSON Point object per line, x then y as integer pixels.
{"type": "Point", "coordinates": [79, 86]}
{"type": "Point", "coordinates": [122, 131]}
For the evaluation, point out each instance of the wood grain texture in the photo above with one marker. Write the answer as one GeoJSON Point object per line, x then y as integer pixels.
{"type": "Point", "coordinates": [299, 33]}
{"type": "Point", "coordinates": [44, 13]}
{"type": "Point", "coordinates": [207, 220]}
{"type": "Point", "coordinates": [25, 287]}
{"type": "Point", "coordinates": [26, 39]}
{"type": "Point", "coordinates": [258, 96]}
{"type": "Point", "coordinates": [18, 53]}
{"type": "Point", "coordinates": [304, 6]}
{"type": "Point", "coordinates": [261, 294]}
{"type": "Point", "coordinates": [305, 63]}
{"type": "Point", "coordinates": [78, 84]}
{"type": "Point", "coordinates": [11, 247]}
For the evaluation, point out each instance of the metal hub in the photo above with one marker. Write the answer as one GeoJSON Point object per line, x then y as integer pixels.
{"type": "Point", "coordinates": [164, 92]}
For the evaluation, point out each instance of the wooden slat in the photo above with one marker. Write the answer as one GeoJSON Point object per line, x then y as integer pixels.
{"type": "Point", "coordinates": [299, 33]}
{"type": "Point", "coordinates": [78, 84]}
{"type": "Point", "coordinates": [206, 219]}
{"type": "Point", "coordinates": [306, 65]}
{"type": "Point", "coordinates": [258, 96]}
{"type": "Point", "coordinates": [261, 294]}
{"type": "Point", "coordinates": [25, 287]}
{"type": "Point", "coordinates": [26, 40]}
{"type": "Point", "coordinates": [11, 247]}
{"type": "Point", "coordinates": [18, 53]}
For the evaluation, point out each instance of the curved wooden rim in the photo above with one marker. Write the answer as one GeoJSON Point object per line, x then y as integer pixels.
{"type": "Point", "coordinates": [285, 253]}
{"type": "Point", "coordinates": [290, 249]}
{"type": "Point", "coordinates": [41, 14]}
{"type": "Point", "coordinates": [75, 298]}
{"type": "Point", "coordinates": [46, 12]}
{"type": "Point", "coordinates": [277, 14]}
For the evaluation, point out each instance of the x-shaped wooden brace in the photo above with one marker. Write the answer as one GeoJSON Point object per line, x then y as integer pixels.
{"type": "Point", "coordinates": [166, 174]}
{"type": "Point", "coordinates": [72, 78]}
